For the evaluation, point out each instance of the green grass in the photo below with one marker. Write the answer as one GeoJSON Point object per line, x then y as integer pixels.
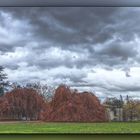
{"type": "Point", "coordinates": [111, 127]}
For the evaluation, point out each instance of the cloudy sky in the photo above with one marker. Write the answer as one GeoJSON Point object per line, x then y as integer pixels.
{"type": "Point", "coordinates": [89, 48]}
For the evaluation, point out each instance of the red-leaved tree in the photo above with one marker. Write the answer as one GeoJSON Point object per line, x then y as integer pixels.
{"type": "Point", "coordinates": [68, 106]}
{"type": "Point", "coordinates": [22, 103]}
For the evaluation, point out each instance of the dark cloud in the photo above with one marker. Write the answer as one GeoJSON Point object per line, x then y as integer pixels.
{"type": "Point", "coordinates": [71, 44]}
{"type": "Point", "coordinates": [77, 29]}
{"type": "Point", "coordinates": [67, 26]}
{"type": "Point", "coordinates": [6, 47]}
{"type": "Point", "coordinates": [119, 49]}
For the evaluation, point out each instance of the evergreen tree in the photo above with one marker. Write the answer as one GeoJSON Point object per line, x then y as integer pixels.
{"type": "Point", "coordinates": [3, 83]}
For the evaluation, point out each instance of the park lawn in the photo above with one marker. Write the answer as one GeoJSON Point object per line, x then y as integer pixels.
{"type": "Point", "coordinates": [81, 128]}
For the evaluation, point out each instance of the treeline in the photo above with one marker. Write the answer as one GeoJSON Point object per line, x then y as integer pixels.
{"type": "Point", "coordinates": [41, 102]}
{"type": "Point", "coordinates": [36, 101]}
{"type": "Point", "coordinates": [66, 106]}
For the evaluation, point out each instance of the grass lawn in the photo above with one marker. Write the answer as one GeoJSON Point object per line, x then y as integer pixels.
{"type": "Point", "coordinates": [110, 127]}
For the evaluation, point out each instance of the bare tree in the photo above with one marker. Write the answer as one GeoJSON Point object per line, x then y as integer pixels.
{"type": "Point", "coordinates": [43, 89]}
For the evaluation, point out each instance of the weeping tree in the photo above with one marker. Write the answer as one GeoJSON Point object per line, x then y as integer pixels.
{"type": "Point", "coordinates": [22, 104]}
{"type": "Point", "coordinates": [3, 82]}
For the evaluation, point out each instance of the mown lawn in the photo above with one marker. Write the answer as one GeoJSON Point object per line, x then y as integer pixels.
{"type": "Point", "coordinates": [111, 127]}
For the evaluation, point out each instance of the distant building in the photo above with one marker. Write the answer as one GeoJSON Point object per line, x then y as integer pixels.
{"type": "Point", "coordinates": [114, 113]}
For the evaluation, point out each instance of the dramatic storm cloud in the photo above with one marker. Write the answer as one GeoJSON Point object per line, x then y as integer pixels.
{"type": "Point", "coordinates": [89, 48]}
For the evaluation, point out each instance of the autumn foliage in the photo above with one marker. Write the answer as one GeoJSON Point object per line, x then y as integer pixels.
{"type": "Point", "coordinates": [21, 103]}
{"type": "Point", "coordinates": [65, 106]}
{"type": "Point", "coordinates": [71, 106]}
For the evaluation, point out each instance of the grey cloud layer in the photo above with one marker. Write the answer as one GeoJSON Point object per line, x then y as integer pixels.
{"type": "Point", "coordinates": [85, 38]}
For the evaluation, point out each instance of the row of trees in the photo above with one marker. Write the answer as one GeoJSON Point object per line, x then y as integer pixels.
{"type": "Point", "coordinates": [35, 101]}
{"type": "Point", "coordinates": [34, 97]}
